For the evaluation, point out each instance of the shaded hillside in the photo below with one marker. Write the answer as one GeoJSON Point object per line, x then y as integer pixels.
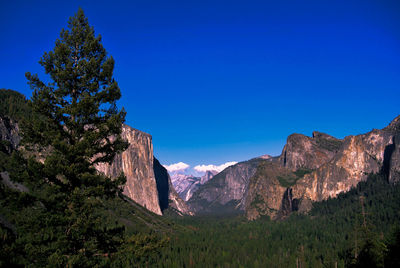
{"type": "Point", "coordinates": [170, 202]}
{"type": "Point", "coordinates": [14, 105]}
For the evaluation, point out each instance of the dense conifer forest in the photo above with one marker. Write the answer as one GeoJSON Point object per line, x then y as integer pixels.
{"type": "Point", "coordinates": [357, 227]}
{"type": "Point", "coordinates": [60, 212]}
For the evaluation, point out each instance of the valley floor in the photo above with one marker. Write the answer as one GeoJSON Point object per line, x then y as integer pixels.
{"type": "Point", "coordinates": [337, 233]}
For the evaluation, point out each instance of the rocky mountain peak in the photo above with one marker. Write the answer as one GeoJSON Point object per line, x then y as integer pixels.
{"type": "Point", "coordinates": [265, 156]}
{"type": "Point", "coordinates": [309, 169]}
{"type": "Point", "coordinates": [185, 185]}
{"type": "Point", "coordinates": [301, 151]}
{"type": "Point", "coordinates": [394, 125]}
{"type": "Point", "coordinates": [147, 182]}
{"type": "Point", "coordinates": [207, 176]}
{"type": "Point", "coordinates": [320, 135]}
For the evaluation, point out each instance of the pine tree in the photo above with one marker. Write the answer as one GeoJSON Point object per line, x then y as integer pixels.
{"type": "Point", "coordinates": [78, 125]}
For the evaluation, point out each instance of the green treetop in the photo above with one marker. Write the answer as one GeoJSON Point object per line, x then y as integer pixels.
{"type": "Point", "coordinates": [78, 125]}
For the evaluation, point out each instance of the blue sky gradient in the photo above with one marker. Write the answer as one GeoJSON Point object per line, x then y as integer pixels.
{"type": "Point", "coordinates": [218, 81]}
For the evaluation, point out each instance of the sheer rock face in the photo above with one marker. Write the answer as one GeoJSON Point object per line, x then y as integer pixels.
{"type": "Point", "coordinates": [9, 131]}
{"type": "Point", "coordinates": [176, 202]}
{"type": "Point", "coordinates": [226, 189]}
{"type": "Point", "coordinates": [359, 156]}
{"type": "Point", "coordinates": [394, 165]}
{"type": "Point", "coordinates": [208, 176]}
{"type": "Point", "coordinates": [186, 185]}
{"type": "Point", "coordinates": [309, 169]}
{"type": "Point", "coordinates": [147, 181]}
{"type": "Point", "coordinates": [264, 196]}
{"type": "Point", "coordinates": [167, 194]}
{"type": "Point", "coordinates": [261, 193]}
{"type": "Point", "coordinates": [137, 164]}
{"type": "Point", "coordinates": [305, 152]}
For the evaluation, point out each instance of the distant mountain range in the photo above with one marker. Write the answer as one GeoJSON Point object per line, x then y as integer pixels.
{"type": "Point", "coordinates": [309, 169]}
{"type": "Point", "coordinates": [186, 185]}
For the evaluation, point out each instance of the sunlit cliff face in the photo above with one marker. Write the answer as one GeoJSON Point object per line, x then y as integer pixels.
{"type": "Point", "coordinates": [329, 166]}
{"type": "Point", "coordinates": [137, 164]}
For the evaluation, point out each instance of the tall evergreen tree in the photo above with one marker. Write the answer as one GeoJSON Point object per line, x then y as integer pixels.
{"type": "Point", "coordinates": [78, 126]}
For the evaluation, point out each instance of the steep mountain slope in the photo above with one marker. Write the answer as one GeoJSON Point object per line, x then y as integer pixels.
{"type": "Point", "coordinates": [137, 162]}
{"type": "Point", "coordinates": [183, 182]}
{"type": "Point", "coordinates": [186, 185]}
{"type": "Point", "coordinates": [147, 182]}
{"type": "Point", "coordinates": [169, 198]}
{"type": "Point", "coordinates": [226, 190]}
{"type": "Point", "coordinates": [301, 151]}
{"type": "Point", "coordinates": [309, 169]}
{"type": "Point", "coordinates": [358, 156]}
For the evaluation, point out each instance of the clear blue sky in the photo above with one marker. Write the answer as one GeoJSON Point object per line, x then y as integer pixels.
{"type": "Point", "coordinates": [217, 81]}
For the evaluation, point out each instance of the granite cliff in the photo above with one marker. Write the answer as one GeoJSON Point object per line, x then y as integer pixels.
{"type": "Point", "coordinates": [136, 163]}
{"type": "Point", "coordinates": [146, 184]}
{"type": "Point", "coordinates": [169, 198]}
{"type": "Point", "coordinates": [186, 185]}
{"type": "Point", "coordinates": [301, 151]}
{"type": "Point", "coordinates": [309, 169]}
{"type": "Point", "coordinates": [358, 156]}
{"type": "Point", "coordinates": [226, 191]}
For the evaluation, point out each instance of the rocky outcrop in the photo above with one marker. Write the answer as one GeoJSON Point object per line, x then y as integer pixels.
{"type": "Point", "coordinates": [265, 191]}
{"type": "Point", "coordinates": [177, 203]}
{"type": "Point", "coordinates": [394, 164]}
{"type": "Point", "coordinates": [301, 151]}
{"type": "Point", "coordinates": [163, 185]}
{"type": "Point", "coordinates": [5, 179]}
{"type": "Point", "coordinates": [227, 190]}
{"type": "Point", "coordinates": [167, 195]}
{"type": "Point", "coordinates": [186, 185]}
{"type": "Point", "coordinates": [359, 156]}
{"type": "Point", "coordinates": [309, 169]}
{"type": "Point", "coordinates": [9, 133]}
{"type": "Point", "coordinates": [136, 163]}
{"type": "Point", "coordinates": [208, 176]}
{"type": "Point", "coordinates": [338, 169]}
{"type": "Point", "coordinates": [393, 167]}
